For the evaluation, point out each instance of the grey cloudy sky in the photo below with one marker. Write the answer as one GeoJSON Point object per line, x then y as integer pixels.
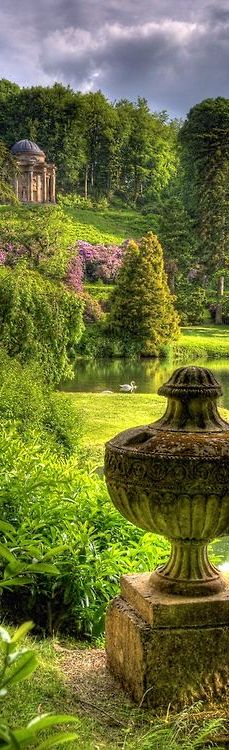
{"type": "Point", "coordinates": [173, 52]}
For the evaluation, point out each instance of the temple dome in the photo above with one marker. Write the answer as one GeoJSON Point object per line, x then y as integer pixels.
{"type": "Point", "coordinates": [26, 147]}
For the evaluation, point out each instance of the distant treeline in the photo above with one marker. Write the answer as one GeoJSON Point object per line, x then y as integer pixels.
{"type": "Point", "coordinates": [100, 149]}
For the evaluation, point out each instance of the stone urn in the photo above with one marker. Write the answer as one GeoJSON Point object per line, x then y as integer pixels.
{"type": "Point", "coordinates": [171, 477]}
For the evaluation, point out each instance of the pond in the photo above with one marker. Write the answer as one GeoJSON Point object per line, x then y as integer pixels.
{"type": "Point", "coordinates": [148, 374]}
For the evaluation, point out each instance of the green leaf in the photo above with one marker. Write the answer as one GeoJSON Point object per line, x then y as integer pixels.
{"type": "Point", "coordinates": [5, 552]}
{"type": "Point", "coordinates": [4, 635]}
{"type": "Point", "coordinates": [14, 582]}
{"type": "Point", "coordinates": [15, 655]}
{"type": "Point", "coordinates": [7, 528]}
{"type": "Point", "coordinates": [54, 551]}
{"type": "Point", "coordinates": [59, 738]}
{"type": "Point", "coordinates": [21, 738]}
{"type": "Point", "coordinates": [22, 631]}
{"type": "Point", "coordinates": [25, 667]}
{"type": "Point", "coordinates": [48, 720]}
{"type": "Point", "coordinates": [42, 568]}
{"type": "Point", "coordinates": [13, 741]}
{"type": "Point", "coordinates": [4, 732]}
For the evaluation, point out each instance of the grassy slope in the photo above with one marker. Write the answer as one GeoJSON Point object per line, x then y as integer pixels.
{"type": "Point", "coordinates": [204, 341]}
{"type": "Point", "coordinates": [110, 225]}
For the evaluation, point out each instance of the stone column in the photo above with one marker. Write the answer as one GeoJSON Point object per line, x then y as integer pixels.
{"type": "Point", "coordinates": [53, 185]}
{"type": "Point", "coordinates": [38, 187]}
{"type": "Point", "coordinates": [30, 186]}
{"type": "Point", "coordinates": [16, 186]}
{"type": "Point", "coordinates": [44, 185]}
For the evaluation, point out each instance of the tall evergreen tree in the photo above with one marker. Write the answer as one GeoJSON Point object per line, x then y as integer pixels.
{"type": "Point", "coordinates": [205, 140]}
{"type": "Point", "coordinates": [177, 236]}
{"type": "Point", "coordinates": [142, 313]}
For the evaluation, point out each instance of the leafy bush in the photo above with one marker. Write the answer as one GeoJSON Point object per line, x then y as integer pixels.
{"type": "Point", "coordinates": [93, 262]}
{"type": "Point", "coordinates": [39, 320]}
{"type": "Point", "coordinates": [73, 199]}
{"type": "Point", "coordinates": [41, 235]}
{"type": "Point", "coordinates": [92, 311]}
{"type": "Point", "coordinates": [191, 303]}
{"type": "Point", "coordinates": [33, 407]}
{"type": "Point", "coordinates": [62, 423]}
{"type": "Point", "coordinates": [60, 512]}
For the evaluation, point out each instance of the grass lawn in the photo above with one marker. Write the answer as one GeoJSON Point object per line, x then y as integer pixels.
{"type": "Point", "coordinates": [104, 415]}
{"type": "Point", "coordinates": [203, 341]}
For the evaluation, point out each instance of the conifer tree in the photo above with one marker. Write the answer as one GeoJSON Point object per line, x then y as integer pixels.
{"type": "Point", "coordinates": [205, 142]}
{"type": "Point", "coordinates": [142, 316]}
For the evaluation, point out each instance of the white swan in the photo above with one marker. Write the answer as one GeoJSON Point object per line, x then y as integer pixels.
{"type": "Point", "coordinates": [128, 388]}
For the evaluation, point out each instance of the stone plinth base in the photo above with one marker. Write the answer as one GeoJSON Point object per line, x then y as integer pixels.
{"type": "Point", "coordinates": [168, 649]}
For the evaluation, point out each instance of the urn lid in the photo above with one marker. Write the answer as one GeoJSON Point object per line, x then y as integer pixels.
{"type": "Point", "coordinates": [191, 381]}
{"type": "Point", "coordinates": [191, 424]}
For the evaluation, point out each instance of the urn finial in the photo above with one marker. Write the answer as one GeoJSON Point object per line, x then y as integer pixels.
{"type": "Point", "coordinates": [190, 382]}
{"type": "Point", "coordinates": [192, 394]}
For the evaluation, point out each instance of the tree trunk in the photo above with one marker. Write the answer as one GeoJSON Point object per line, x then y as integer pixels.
{"type": "Point", "coordinates": [86, 182]}
{"type": "Point", "coordinates": [219, 312]}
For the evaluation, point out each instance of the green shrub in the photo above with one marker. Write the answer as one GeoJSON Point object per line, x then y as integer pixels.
{"type": "Point", "coordinates": [39, 320]}
{"type": "Point", "coordinates": [191, 303]}
{"type": "Point", "coordinates": [34, 407]}
{"type": "Point", "coordinates": [53, 505]}
{"type": "Point", "coordinates": [61, 421]}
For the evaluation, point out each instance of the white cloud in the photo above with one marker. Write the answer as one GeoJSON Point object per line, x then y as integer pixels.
{"type": "Point", "coordinates": [173, 53]}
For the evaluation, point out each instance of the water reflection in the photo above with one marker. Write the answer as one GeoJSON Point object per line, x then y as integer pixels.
{"type": "Point", "coordinates": [148, 374]}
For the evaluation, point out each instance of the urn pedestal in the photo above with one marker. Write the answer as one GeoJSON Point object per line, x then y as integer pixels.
{"type": "Point", "coordinates": [167, 634]}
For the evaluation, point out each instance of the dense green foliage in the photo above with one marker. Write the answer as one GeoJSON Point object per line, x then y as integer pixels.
{"type": "Point", "coordinates": [39, 320]}
{"type": "Point", "coordinates": [62, 513]}
{"type": "Point", "coordinates": [142, 316]}
{"type": "Point", "coordinates": [205, 143]}
{"type": "Point", "coordinates": [33, 408]}
{"type": "Point", "coordinates": [7, 173]}
{"type": "Point", "coordinates": [100, 149]}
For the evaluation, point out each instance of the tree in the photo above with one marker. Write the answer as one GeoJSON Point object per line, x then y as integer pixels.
{"type": "Point", "coordinates": [39, 321]}
{"type": "Point", "coordinates": [142, 314]}
{"type": "Point", "coordinates": [7, 173]}
{"type": "Point", "coordinates": [205, 141]}
{"type": "Point", "coordinates": [176, 234]}
{"type": "Point", "coordinates": [41, 235]}
{"type": "Point", "coordinates": [99, 148]}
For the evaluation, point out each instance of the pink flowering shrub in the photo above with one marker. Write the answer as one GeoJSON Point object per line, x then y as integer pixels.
{"type": "Point", "coordinates": [2, 257]}
{"type": "Point", "coordinates": [10, 254]}
{"type": "Point", "coordinates": [100, 261]}
{"type": "Point", "coordinates": [75, 274]}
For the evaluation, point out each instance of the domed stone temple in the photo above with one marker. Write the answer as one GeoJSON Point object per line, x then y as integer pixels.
{"type": "Point", "coordinates": [36, 180]}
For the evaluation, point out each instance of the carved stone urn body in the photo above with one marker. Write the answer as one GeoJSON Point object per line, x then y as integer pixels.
{"type": "Point", "coordinates": [171, 477]}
